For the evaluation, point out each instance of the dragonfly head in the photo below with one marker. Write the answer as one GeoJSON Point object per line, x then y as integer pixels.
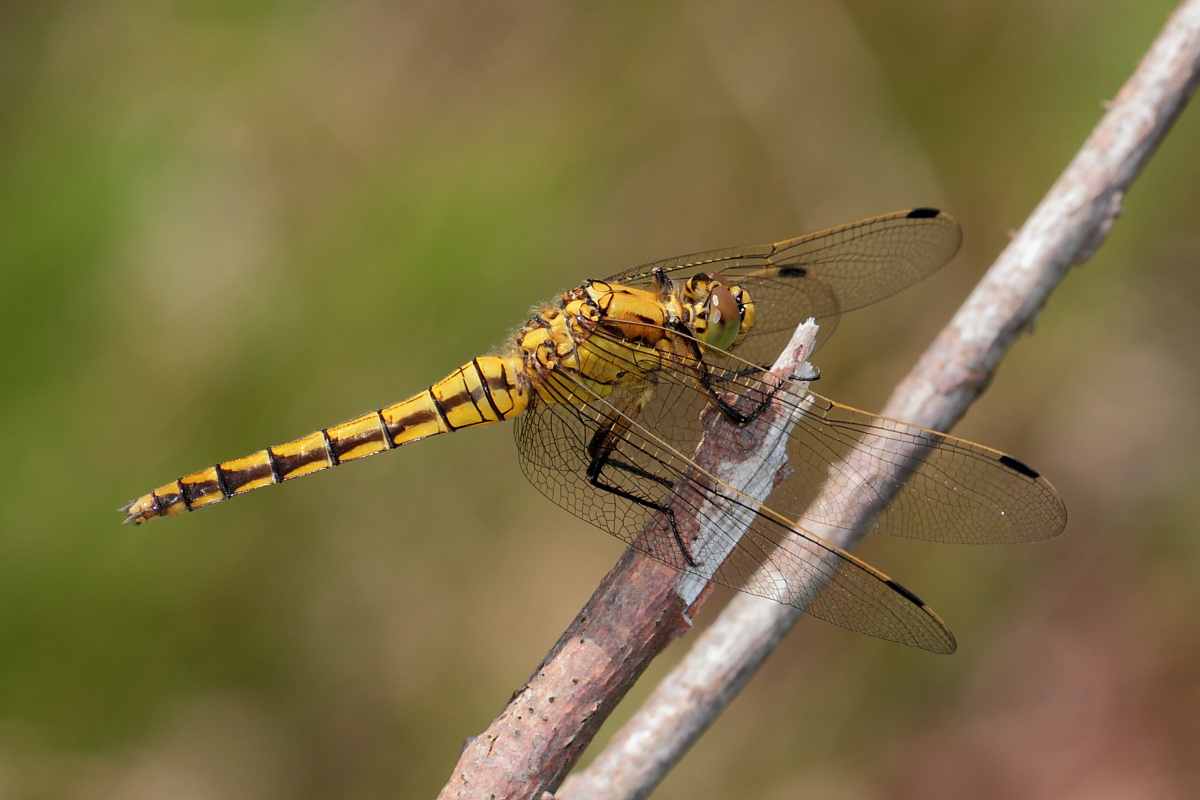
{"type": "Point", "coordinates": [722, 314]}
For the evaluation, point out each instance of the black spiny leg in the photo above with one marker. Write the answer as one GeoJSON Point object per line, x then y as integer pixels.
{"type": "Point", "coordinates": [601, 450]}
{"type": "Point", "coordinates": [739, 418]}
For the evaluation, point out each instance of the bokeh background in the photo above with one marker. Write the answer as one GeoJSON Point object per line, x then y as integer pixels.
{"type": "Point", "coordinates": [223, 225]}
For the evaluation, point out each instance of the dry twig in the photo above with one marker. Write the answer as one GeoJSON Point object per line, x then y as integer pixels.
{"type": "Point", "coordinates": [641, 606]}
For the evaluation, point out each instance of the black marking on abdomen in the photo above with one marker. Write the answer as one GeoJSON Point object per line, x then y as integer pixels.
{"type": "Point", "coordinates": [191, 492]}
{"type": "Point", "coordinates": [387, 435]}
{"type": "Point", "coordinates": [419, 417]}
{"type": "Point", "coordinates": [487, 391]}
{"type": "Point", "coordinates": [1019, 466]}
{"type": "Point", "coordinates": [502, 382]}
{"type": "Point", "coordinates": [441, 410]}
{"type": "Point", "coordinates": [276, 475]}
{"type": "Point", "coordinates": [456, 399]}
{"type": "Point", "coordinates": [234, 480]}
{"type": "Point", "coordinates": [289, 464]}
{"type": "Point", "coordinates": [221, 484]}
{"type": "Point", "coordinates": [329, 451]}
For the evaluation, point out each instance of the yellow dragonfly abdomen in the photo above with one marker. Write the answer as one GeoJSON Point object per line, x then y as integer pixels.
{"type": "Point", "coordinates": [488, 389]}
{"type": "Point", "coordinates": [485, 390]}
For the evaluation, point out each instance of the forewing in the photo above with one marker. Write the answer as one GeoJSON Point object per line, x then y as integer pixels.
{"type": "Point", "coordinates": [821, 274]}
{"type": "Point", "coordinates": [929, 485]}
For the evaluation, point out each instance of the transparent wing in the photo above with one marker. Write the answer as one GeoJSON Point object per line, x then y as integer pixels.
{"type": "Point", "coordinates": [649, 481]}
{"type": "Point", "coordinates": [822, 274]}
{"type": "Point", "coordinates": [613, 460]}
{"type": "Point", "coordinates": [959, 492]}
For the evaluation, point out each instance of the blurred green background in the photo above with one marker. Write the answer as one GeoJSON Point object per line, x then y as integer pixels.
{"type": "Point", "coordinates": [224, 225]}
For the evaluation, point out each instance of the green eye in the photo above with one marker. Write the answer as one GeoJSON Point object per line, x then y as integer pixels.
{"type": "Point", "coordinates": [724, 320]}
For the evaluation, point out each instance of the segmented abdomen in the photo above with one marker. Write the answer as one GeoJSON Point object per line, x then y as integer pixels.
{"type": "Point", "coordinates": [487, 389]}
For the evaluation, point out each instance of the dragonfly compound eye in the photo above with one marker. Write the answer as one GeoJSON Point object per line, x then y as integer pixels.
{"type": "Point", "coordinates": [724, 318]}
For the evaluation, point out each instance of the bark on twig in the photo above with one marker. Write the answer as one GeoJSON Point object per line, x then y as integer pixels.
{"type": "Point", "coordinates": [1066, 228]}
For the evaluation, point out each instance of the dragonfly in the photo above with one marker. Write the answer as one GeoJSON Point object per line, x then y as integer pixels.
{"type": "Point", "coordinates": [607, 387]}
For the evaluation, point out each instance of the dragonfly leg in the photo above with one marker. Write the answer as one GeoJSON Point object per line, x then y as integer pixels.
{"type": "Point", "coordinates": [705, 378]}
{"type": "Point", "coordinates": [601, 452]}
{"type": "Point", "coordinates": [746, 372]}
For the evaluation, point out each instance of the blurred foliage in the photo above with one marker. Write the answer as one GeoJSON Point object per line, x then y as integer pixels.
{"type": "Point", "coordinates": [223, 225]}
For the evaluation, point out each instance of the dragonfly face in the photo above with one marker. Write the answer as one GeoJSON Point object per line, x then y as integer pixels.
{"type": "Point", "coordinates": [606, 389]}
{"type": "Point", "coordinates": [722, 314]}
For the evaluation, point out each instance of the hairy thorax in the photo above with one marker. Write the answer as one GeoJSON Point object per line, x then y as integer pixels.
{"type": "Point", "coordinates": [603, 336]}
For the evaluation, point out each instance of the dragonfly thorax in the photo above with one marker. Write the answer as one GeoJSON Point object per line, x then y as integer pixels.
{"type": "Point", "coordinates": [549, 340]}
{"type": "Point", "coordinates": [604, 336]}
